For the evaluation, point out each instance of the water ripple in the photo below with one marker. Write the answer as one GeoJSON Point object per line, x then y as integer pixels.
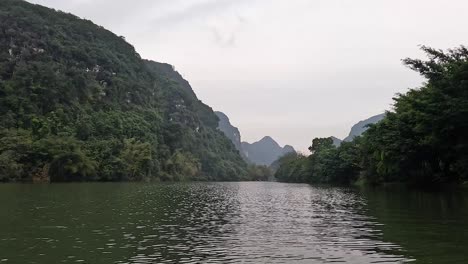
{"type": "Point", "coordinates": [202, 223]}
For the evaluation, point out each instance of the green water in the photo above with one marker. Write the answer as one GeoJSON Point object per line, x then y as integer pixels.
{"type": "Point", "coordinates": [229, 223]}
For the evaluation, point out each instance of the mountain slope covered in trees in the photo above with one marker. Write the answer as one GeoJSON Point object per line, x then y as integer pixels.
{"type": "Point", "coordinates": [78, 103]}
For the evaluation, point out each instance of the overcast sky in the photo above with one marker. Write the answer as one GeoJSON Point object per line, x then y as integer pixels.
{"type": "Point", "coordinates": [290, 69]}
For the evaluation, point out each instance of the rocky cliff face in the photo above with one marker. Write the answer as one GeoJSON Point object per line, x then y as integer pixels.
{"type": "Point", "coordinates": [230, 131]}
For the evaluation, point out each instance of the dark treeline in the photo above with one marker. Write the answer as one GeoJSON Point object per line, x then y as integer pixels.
{"type": "Point", "coordinates": [423, 141]}
{"type": "Point", "coordinates": [78, 103]}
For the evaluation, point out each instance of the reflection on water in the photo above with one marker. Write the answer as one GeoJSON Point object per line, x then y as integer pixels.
{"type": "Point", "coordinates": [200, 223]}
{"type": "Point", "coordinates": [433, 227]}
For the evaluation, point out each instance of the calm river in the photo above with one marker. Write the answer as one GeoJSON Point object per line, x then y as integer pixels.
{"type": "Point", "coordinates": [228, 223]}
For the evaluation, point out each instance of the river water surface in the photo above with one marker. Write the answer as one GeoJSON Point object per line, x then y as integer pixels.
{"type": "Point", "coordinates": [228, 223]}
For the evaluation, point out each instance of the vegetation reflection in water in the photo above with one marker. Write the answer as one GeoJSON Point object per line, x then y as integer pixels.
{"type": "Point", "coordinates": [225, 223]}
{"type": "Point", "coordinates": [431, 226]}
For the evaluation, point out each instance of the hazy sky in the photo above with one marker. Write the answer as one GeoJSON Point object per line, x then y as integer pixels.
{"type": "Point", "coordinates": [291, 69]}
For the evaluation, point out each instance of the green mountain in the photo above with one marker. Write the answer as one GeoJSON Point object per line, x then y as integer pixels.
{"type": "Point", "coordinates": [78, 103]}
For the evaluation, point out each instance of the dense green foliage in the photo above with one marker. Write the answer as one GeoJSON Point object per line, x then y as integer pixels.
{"type": "Point", "coordinates": [78, 103]}
{"type": "Point", "coordinates": [423, 141]}
{"type": "Point", "coordinates": [259, 173]}
{"type": "Point", "coordinates": [326, 164]}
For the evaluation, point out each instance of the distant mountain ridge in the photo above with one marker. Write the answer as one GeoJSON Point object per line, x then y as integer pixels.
{"type": "Point", "coordinates": [358, 129]}
{"type": "Point", "coordinates": [263, 152]}
{"type": "Point", "coordinates": [266, 151]}
{"type": "Point", "coordinates": [336, 141]}
{"type": "Point", "coordinates": [361, 127]}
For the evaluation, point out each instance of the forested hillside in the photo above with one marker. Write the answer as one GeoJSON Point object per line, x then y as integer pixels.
{"type": "Point", "coordinates": [422, 141]}
{"type": "Point", "coordinates": [78, 103]}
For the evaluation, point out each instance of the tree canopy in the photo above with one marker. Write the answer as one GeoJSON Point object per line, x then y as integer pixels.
{"type": "Point", "coordinates": [78, 103]}
{"type": "Point", "coordinates": [422, 141]}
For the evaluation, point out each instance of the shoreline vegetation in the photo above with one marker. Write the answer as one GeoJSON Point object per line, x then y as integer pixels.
{"type": "Point", "coordinates": [422, 142]}
{"type": "Point", "coordinates": [78, 103]}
